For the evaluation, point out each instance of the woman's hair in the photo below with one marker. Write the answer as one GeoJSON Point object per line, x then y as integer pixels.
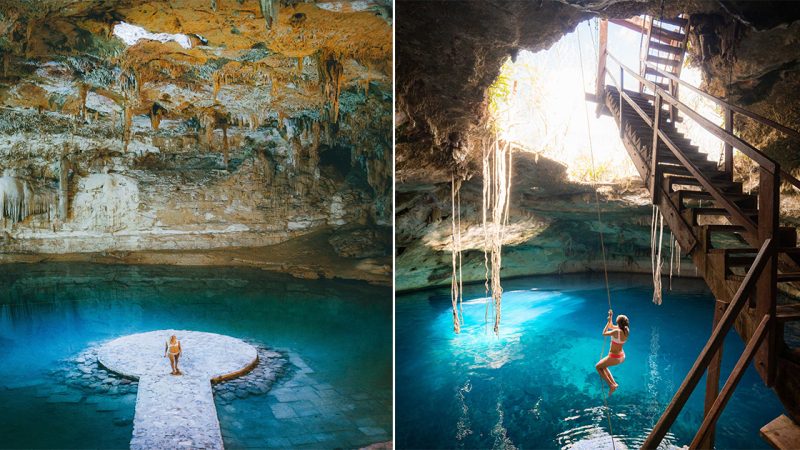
{"type": "Point", "coordinates": [624, 324]}
{"type": "Point", "coordinates": [173, 338]}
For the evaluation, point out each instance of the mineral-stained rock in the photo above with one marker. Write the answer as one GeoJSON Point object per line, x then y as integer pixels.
{"type": "Point", "coordinates": [226, 133]}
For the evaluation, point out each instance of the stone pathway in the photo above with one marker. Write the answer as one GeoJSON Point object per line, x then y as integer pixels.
{"type": "Point", "coordinates": [174, 412]}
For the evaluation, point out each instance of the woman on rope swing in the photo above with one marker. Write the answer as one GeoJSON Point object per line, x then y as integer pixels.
{"type": "Point", "coordinates": [619, 336]}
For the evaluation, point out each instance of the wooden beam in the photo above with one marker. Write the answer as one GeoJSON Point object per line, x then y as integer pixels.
{"type": "Point", "coordinates": [728, 148]}
{"type": "Point", "coordinates": [781, 433]}
{"type": "Point", "coordinates": [654, 182]}
{"type": "Point", "coordinates": [634, 23]}
{"type": "Point", "coordinates": [712, 378]}
{"type": "Point", "coordinates": [714, 342]}
{"type": "Point", "coordinates": [601, 60]}
{"type": "Point", "coordinates": [766, 288]}
{"type": "Point", "coordinates": [736, 375]}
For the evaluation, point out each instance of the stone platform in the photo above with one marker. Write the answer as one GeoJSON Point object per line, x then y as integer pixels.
{"type": "Point", "coordinates": [175, 412]}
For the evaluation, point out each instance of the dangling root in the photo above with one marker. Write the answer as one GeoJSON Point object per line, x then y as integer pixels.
{"type": "Point", "coordinates": [497, 189]}
{"type": "Point", "coordinates": [656, 261]}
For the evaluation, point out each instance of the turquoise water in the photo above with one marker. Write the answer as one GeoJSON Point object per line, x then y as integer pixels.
{"type": "Point", "coordinates": [536, 387]}
{"type": "Point", "coordinates": [337, 336]}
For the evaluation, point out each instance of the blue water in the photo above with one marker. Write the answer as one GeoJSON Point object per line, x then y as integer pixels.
{"type": "Point", "coordinates": [337, 336]}
{"type": "Point", "coordinates": [536, 387]}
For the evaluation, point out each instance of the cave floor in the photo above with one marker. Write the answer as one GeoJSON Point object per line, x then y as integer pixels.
{"type": "Point", "coordinates": [309, 256]}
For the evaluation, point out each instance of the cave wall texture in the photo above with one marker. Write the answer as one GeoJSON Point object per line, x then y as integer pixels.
{"type": "Point", "coordinates": [274, 123]}
{"type": "Point", "coordinates": [447, 56]}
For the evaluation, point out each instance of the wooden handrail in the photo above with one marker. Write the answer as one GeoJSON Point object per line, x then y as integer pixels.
{"type": "Point", "coordinates": [765, 253]}
{"type": "Point", "coordinates": [733, 379]}
{"type": "Point", "coordinates": [786, 176]}
{"type": "Point", "coordinates": [731, 207]}
{"type": "Point", "coordinates": [757, 117]}
{"type": "Point", "coordinates": [750, 151]}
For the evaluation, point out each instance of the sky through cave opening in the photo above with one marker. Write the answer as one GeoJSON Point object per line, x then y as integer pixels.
{"type": "Point", "coordinates": [537, 104]}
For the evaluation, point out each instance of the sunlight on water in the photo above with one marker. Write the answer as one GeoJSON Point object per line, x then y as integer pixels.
{"type": "Point", "coordinates": [535, 386]}
{"type": "Point", "coordinates": [337, 390]}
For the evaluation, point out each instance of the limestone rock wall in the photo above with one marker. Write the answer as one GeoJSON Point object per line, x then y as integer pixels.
{"type": "Point", "coordinates": [238, 128]}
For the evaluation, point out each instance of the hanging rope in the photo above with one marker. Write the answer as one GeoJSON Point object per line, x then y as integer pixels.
{"type": "Point", "coordinates": [600, 225]}
{"type": "Point", "coordinates": [456, 284]}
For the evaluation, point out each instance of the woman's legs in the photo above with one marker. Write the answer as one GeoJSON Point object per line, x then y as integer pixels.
{"type": "Point", "coordinates": [613, 385]}
{"type": "Point", "coordinates": [602, 371]}
{"type": "Point", "coordinates": [177, 370]}
{"type": "Point", "coordinates": [173, 362]}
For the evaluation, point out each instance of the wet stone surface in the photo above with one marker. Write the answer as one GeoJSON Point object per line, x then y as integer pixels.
{"type": "Point", "coordinates": [298, 408]}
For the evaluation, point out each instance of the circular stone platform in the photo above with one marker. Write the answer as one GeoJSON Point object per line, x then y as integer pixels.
{"type": "Point", "coordinates": [207, 355]}
{"type": "Point", "coordinates": [177, 411]}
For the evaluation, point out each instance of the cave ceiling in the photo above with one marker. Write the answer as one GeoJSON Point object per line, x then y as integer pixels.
{"type": "Point", "coordinates": [246, 61]}
{"type": "Point", "coordinates": [448, 54]}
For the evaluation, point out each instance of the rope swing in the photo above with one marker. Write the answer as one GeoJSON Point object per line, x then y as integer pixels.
{"type": "Point", "coordinates": [600, 226]}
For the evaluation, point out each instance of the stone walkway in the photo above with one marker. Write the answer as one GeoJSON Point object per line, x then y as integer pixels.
{"type": "Point", "coordinates": [176, 412]}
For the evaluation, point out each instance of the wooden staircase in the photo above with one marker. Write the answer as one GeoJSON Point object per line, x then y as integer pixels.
{"type": "Point", "coordinates": [733, 237]}
{"type": "Point", "coordinates": [664, 48]}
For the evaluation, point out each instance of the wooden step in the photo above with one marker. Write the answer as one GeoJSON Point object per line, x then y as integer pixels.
{"type": "Point", "coordinates": [662, 33]}
{"type": "Point", "coordinates": [708, 170]}
{"type": "Point", "coordinates": [739, 199]}
{"type": "Point", "coordinates": [724, 228]}
{"type": "Point", "coordinates": [734, 187]}
{"type": "Point", "coordinates": [787, 313]}
{"type": "Point", "coordinates": [650, 72]}
{"type": "Point", "coordinates": [666, 48]}
{"type": "Point", "coordinates": [782, 433]}
{"type": "Point", "coordinates": [691, 214]}
{"type": "Point", "coordinates": [698, 159]}
{"type": "Point", "coordinates": [664, 61]}
{"type": "Point", "coordinates": [676, 21]}
{"type": "Point", "coordinates": [788, 277]}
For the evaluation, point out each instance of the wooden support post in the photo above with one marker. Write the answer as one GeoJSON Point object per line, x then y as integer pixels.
{"type": "Point", "coordinates": [654, 174]}
{"type": "Point", "coordinates": [766, 287]}
{"type": "Point", "coordinates": [728, 148]}
{"type": "Point", "coordinates": [714, 342]}
{"type": "Point", "coordinates": [712, 378]}
{"type": "Point", "coordinates": [736, 375]}
{"type": "Point", "coordinates": [601, 61]}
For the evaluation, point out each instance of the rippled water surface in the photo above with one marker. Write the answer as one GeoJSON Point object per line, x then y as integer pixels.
{"type": "Point", "coordinates": [535, 386]}
{"type": "Point", "coordinates": [335, 336]}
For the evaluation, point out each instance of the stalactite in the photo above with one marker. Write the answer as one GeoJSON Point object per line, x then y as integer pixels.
{"type": "Point", "coordinates": [225, 144]}
{"type": "Point", "coordinates": [332, 84]}
{"type": "Point", "coordinates": [28, 32]}
{"type": "Point", "coordinates": [269, 9]}
{"type": "Point", "coordinates": [6, 63]}
{"type": "Point", "coordinates": [300, 65]}
{"type": "Point", "coordinates": [217, 84]}
{"type": "Point", "coordinates": [126, 128]}
{"type": "Point", "coordinates": [208, 123]}
{"type": "Point", "coordinates": [63, 188]}
{"type": "Point", "coordinates": [156, 112]}
{"type": "Point", "coordinates": [83, 91]}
